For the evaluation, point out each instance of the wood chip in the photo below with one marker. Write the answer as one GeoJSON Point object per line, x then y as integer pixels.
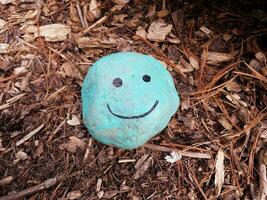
{"type": "Point", "coordinates": [261, 57]}
{"type": "Point", "coordinates": [19, 70]}
{"type": "Point", "coordinates": [93, 8]}
{"type": "Point", "coordinates": [205, 30]}
{"type": "Point", "coordinates": [28, 136]}
{"type": "Point", "coordinates": [5, 2]}
{"type": "Point", "coordinates": [110, 194]}
{"type": "Point", "coordinates": [4, 48]}
{"type": "Point", "coordinates": [39, 149]}
{"type": "Point", "coordinates": [1, 146]}
{"type": "Point", "coordinates": [163, 13]}
{"type": "Point", "coordinates": [141, 32]}
{"type": "Point", "coordinates": [233, 87]}
{"type": "Point", "coordinates": [74, 195]}
{"type": "Point", "coordinates": [227, 37]}
{"type": "Point", "coordinates": [121, 2]}
{"type": "Point", "coordinates": [119, 18]}
{"type": "Point", "coordinates": [20, 155]}
{"type": "Point", "coordinates": [2, 23]}
{"type": "Point", "coordinates": [219, 174]}
{"type": "Point", "coordinates": [98, 185]}
{"type": "Point", "coordinates": [69, 69]}
{"type": "Point", "coordinates": [51, 32]}
{"type": "Point", "coordinates": [73, 144]}
{"type": "Point", "coordinates": [127, 161]}
{"type": "Point", "coordinates": [158, 30]}
{"type": "Point", "coordinates": [194, 63]}
{"type": "Point", "coordinates": [216, 58]}
{"type": "Point", "coordinates": [100, 194]}
{"type": "Point", "coordinates": [225, 123]}
{"type": "Point", "coordinates": [236, 99]}
{"type": "Point", "coordinates": [142, 165]}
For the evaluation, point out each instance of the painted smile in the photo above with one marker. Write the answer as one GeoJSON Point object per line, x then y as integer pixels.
{"type": "Point", "coordinates": [136, 116]}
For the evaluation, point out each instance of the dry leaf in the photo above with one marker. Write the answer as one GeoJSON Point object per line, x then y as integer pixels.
{"type": "Point", "coordinates": [74, 121]}
{"type": "Point", "coordinates": [219, 174]}
{"type": "Point", "coordinates": [215, 58]}
{"type": "Point", "coordinates": [73, 144]}
{"type": "Point", "coordinates": [4, 48]}
{"type": "Point", "coordinates": [158, 30]}
{"type": "Point", "coordinates": [75, 194]}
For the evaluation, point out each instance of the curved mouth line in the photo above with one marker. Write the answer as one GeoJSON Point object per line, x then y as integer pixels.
{"type": "Point", "coordinates": [136, 116]}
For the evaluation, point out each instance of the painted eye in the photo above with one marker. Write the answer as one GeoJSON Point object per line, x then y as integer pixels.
{"type": "Point", "coordinates": [117, 82]}
{"type": "Point", "coordinates": [146, 78]}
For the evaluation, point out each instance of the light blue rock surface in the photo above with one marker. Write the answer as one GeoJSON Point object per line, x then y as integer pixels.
{"type": "Point", "coordinates": [127, 98]}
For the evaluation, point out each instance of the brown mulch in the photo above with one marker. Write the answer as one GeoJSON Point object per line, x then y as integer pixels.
{"type": "Point", "coordinates": [216, 52]}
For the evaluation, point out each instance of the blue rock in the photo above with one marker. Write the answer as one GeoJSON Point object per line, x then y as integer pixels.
{"type": "Point", "coordinates": [127, 98]}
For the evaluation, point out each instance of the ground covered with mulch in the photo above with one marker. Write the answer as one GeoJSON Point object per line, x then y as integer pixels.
{"type": "Point", "coordinates": [216, 52]}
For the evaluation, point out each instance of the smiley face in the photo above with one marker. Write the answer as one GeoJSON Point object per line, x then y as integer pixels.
{"type": "Point", "coordinates": [127, 98]}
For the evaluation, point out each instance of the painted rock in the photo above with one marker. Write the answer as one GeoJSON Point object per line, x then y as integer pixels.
{"type": "Point", "coordinates": [127, 98]}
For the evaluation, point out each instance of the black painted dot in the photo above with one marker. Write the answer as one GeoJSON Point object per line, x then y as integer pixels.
{"type": "Point", "coordinates": [146, 78]}
{"type": "Point", "coordinates": [117, 82]}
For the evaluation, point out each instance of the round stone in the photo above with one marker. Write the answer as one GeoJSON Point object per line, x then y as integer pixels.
{"type": "Point", "coordinates": [127, 98]}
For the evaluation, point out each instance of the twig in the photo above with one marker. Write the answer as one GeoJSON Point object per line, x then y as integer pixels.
{"type": "Point", "coordinates": [196, 183]}
{"type": "Point", "coordinates": [263, 178]}
{"type": "Point", "coordinates": [28, 136]}
{"type": "Point", "coordinates": [6, 180]}
{"type": "Point", "coordinates": [55, 93]}
{"type": "Point", "coordinates": [12, 100]}
{"type": "Point", "coordinates": [38, 188]}
{"type": "Point", "coordinates": [182, 153]}
{"type": "Point", "coordinates": [98, 22]}
{"type": "Point", "coordinates": [80, 15]}
{"type": "Point", "coordinates": [56, 130]}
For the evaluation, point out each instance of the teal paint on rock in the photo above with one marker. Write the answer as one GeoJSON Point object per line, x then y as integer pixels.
{"type": "Point", "coordinates": [127, 98]}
